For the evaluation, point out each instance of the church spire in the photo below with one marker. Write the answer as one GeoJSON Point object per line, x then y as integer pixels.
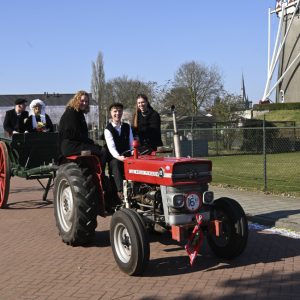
{"type": "Point", "coordinates": [243, 90]}
{"type": "Point", "coordinates": [245, 100]}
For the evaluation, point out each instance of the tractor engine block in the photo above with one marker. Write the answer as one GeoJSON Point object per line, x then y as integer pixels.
{"type": "Point", "coordinates": [147, 197]}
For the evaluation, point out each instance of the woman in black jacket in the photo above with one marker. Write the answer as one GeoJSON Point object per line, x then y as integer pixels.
{"type": "Point", "coordinates": [146, 123]}
{"type": "Point", "coordinates": [73, 129]}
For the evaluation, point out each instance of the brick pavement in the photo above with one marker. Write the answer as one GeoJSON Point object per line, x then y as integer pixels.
{"type": "Point", "coordinates": [267, 209]}
{"type": "Point", "coordinates": [35, 264]}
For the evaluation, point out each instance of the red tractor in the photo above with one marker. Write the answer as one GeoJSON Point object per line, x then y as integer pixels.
{"type": "Point", "coordinates": [160, 193]}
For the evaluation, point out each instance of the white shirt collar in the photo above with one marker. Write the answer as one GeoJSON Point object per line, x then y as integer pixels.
{"type": "Point", "coordinates": [116, 125]}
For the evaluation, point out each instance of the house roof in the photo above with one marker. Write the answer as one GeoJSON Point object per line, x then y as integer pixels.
{"type": "Point", "coordinates": [186, 121]}
{"type": "Point", "coordinates": [53, 99]}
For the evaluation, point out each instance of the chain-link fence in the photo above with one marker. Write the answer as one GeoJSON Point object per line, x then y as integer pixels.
{"type": "Point", "coordinates": [263, 158]}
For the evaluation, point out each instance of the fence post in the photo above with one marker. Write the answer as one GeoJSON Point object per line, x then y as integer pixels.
{"type": "Point", "coordinates": [265, 153]}
{"type": "Point", "coordinates": [192, 141]}
{"type": "Point", "coordinates": [217, 138]}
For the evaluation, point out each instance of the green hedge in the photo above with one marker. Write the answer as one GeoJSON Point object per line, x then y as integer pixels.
{"type": "Point", "coordinates": [277, 106]}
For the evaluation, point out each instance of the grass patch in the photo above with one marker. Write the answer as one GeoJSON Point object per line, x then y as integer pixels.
{"type": "Point", "coordinates": [247, 171]}
{"type": "Point", "coordinates": [282, 115]}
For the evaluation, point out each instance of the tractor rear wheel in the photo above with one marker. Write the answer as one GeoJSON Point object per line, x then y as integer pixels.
{"type": "Point", "coordinates": [75, 204]}
{"type": "Point", "coordinates": [129, 242]}
{"type": "Point", "coordinates": [4, 175]}
{"type": "Point", "coordinates": [234, 229]}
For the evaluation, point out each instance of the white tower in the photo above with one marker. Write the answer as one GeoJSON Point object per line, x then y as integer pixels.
{"type": "Point", "coordinates": [286, 53]}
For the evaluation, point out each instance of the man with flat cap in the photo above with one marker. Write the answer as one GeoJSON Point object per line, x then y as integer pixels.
{"type": "Point", "coordinates": [15, 118]}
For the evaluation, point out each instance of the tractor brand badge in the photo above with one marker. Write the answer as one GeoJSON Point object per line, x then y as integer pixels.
{"type": "Point", "coordinates": [161, 172]}
{"type": "Point", "coordinates": [168, 168]}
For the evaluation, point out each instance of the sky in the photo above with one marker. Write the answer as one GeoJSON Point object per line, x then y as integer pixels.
{"type": "Point", "coordinates": [49, 46]}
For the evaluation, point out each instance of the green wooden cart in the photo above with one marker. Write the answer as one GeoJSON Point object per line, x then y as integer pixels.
{"type": "Point", "coordinates": [30, 156]}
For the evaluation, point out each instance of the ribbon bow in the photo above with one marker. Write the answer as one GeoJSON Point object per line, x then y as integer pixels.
{"type": "Point", "coordinates": [195, 241]}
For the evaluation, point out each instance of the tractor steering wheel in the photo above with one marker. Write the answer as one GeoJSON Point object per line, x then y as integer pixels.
{"type": "Point", "coordinates": [126, 153]}
{"type": "Point", "coordinates": [142, 151]}
{"type": "Point", "coordinates": [145, 150]}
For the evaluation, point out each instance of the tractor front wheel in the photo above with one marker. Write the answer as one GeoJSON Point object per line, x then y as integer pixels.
{"type": "Point", "coordinates": [129, 242]}
{"type": "Point", "coordinates": [4, 175]}
{"type": "Point", "coordinates": [75, 204]}
{"type": "Point", "coordinates": [233, 236]}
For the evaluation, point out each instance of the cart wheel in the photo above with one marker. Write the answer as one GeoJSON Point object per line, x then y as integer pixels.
{"type": "Point", "coordinates": [75, 204]}
{"type": "Point", "coordinates": [234, 229]}
{"type": "Point", "coordinates": [129, 242]}
{"type": "Point", "coordinates": [4, 174]}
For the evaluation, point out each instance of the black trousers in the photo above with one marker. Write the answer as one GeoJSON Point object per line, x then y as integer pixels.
{"type": "Point", "coordinates": [116, 169]}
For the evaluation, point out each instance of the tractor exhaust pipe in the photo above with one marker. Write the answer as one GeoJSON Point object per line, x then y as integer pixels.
{"type": "Point", "coordinates": [176, 136]}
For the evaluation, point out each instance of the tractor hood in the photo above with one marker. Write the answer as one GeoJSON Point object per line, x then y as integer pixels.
{"type": "Point", "coordinates": [168, 170]}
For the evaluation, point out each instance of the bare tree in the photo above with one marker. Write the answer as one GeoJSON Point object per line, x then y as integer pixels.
{"type": "Point", "coordinates": [124, 90]}
{"type": "Point", "coordinates": [98, 89]}
{"type": "Point", "coordinates": [228, 107]}
{"type": "Point", "coordinates": [159, 94]}
{"type": "Point", "coordinates": [203, 83]}
{"type": "Point", "coordinates": [178, 96]}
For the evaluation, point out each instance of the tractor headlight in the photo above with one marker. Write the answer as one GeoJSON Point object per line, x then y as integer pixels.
{"type": "Point", "coordinates": [208, 197]}
{"type": "Point", "coordinates": [178, 200]}
{"type": "Point", "coordinates": [192, 201]}
{"type": "Point", "coordinates": [175, 200]}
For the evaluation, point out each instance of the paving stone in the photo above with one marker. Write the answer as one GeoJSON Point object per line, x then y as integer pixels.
{"type": "Point", "coordinates": [36, 264]}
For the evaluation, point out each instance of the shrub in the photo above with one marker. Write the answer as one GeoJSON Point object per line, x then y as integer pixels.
{"type": "Point", "coordinates": [253, 139]}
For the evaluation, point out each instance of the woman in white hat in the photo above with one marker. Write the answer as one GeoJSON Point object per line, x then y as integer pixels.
{"type": "Point", "coordinates": [38, 120]}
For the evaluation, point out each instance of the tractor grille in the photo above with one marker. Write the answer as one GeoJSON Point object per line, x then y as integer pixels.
{"type": "Point", "coordinates": [192, 171]}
